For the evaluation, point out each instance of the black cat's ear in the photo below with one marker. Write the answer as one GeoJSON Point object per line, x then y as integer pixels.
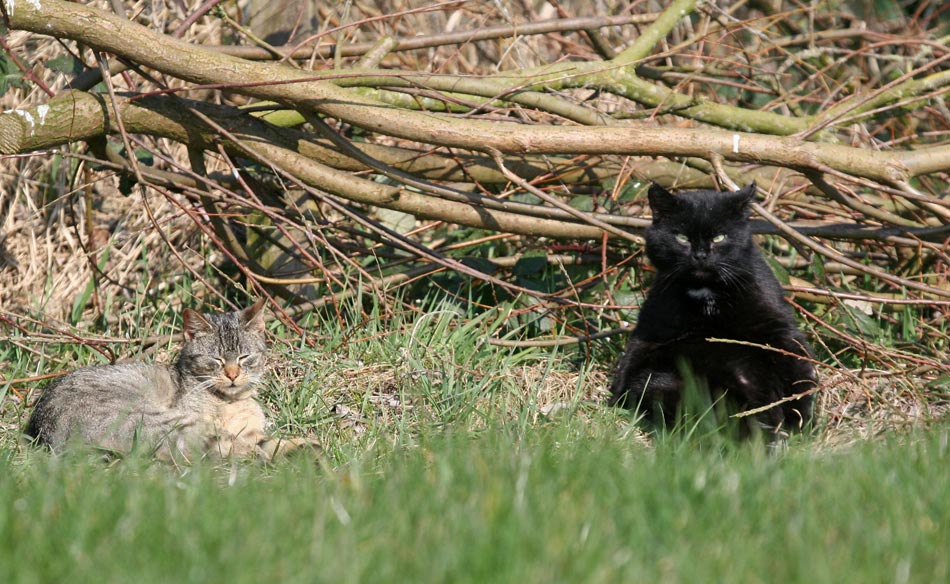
{"type": "Point", "coordinates": [195, 324]}
{"type": "Point", "coordinates": [253, 316]}
{"type": "Point", "coordinates": [741, 200]}
{"type": "Point", "coordinates": [662, 202]}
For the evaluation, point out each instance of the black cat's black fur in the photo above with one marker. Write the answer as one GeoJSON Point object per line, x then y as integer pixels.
{"type": "Point", "coordinates": [712, 282]}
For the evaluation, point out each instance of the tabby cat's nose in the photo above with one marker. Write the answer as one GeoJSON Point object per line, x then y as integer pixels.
{"type": "Point", "coordinates": [231, 371]}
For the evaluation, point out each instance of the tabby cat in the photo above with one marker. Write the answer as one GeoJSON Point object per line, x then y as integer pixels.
{"type": "Point", "coordinates": [712, 282]}
{"type": "Point", "coordinates": [203, 403]}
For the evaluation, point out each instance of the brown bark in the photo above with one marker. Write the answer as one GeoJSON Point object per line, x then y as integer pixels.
{"type": "Point", "coordinates": [300, 89]}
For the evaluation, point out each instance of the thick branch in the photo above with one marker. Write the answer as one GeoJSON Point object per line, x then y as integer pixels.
{"type": "Point", "coordinates": [106, 32]}
{"type": "Point", "coordinates": [79, 116]}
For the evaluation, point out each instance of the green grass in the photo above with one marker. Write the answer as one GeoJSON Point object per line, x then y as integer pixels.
{"type": "Point", "coordinates": [553, 504]}
{"type": "Point", "coordinates": [441, 467]}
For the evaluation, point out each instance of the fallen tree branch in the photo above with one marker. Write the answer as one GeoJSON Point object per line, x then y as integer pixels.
{"type": "Point", "coordinates": [308, 91]}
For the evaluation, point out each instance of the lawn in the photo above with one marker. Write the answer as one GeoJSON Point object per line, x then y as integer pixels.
{"type": "Point", "coordinates": [557, 503]}
{"type": "Point", "coordinates": [450, 238]}
{"type": "Point", "coordinates": [450, 460]}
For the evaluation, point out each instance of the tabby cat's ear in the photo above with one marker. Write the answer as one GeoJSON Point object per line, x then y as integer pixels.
{"type": "Point", "coordinates": [253, 316]}
{"type": "Point", "coordinates": [195, 324]}
{"type": "Point", "coordinates": [662, 202]}
{"type": "Point", "coordinates": [741, 200]}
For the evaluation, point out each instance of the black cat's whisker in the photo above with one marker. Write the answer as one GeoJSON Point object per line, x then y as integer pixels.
{"type": "Point", "coordinates": [729, 276]}
{"type": "Point", "coordinates": [665, 280]}
{"type": "Point", "coordinates": [736, 275]}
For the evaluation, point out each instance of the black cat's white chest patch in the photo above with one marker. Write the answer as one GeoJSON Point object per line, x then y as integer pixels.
{"type": "Point", "coordinates": [706, 298]}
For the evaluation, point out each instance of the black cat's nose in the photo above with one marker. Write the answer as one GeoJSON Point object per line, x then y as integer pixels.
{"type": "Point", "coordinates": [700, 254]}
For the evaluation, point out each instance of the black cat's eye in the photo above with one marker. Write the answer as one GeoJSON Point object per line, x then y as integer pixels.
{"type": "Point", "coordinates": [682, 238]}
{"type": "Point", "coordinates": [719, 238]}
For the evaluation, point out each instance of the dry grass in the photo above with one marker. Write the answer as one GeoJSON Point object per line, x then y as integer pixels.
{"type": "Point", "coordinates": [393, 401]}
{"type": "Point", "coordinates": [851, 409]}
{"type": "Point", "coordinates": [57, 215]}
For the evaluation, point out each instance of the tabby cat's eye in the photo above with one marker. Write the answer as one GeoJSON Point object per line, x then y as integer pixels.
{"type": "Point", "coordinates": [719, 238]}
{"type": "Point", "coordinates": [682, 238]}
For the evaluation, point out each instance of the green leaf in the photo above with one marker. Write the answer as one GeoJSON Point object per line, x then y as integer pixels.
{"type": "Point", "coordinates": [866, 325]}
{"type": "Point", "coordinates": [529, 265]}
{"type": "Point", "coordinates": [632, 191]}
{"type": "Point", "coordinates": [909, 324]}
{"type": "Point", "coordinates": [582, 203]}
{"type": "Point", "coordinates": [527, 198]}
{"type": "Point", "coordinates": [126, 184]}
{"type": "Point", "coordinates": [10, 75]}
{"type": "Point", "coordinates": [144, 156]}
{"type": "Point", "coordinates": [65, 64]}
{"type": "Point", "coordinates": [816, 268]}
{"type": "Point", "coordinates": [396, 220]}
{"type": "Point", "coordinates": [481, 264]}
{"type": "Point", "coordinates": [941, 383]}
{"type": "Point", "coordinates": [531, 284]}
{"type": "Point", "coordinates": [632, 299]}
{"type": "Point", "coordinates": [779, 270]}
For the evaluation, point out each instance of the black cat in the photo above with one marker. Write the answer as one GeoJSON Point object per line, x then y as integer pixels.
{"type": "Point", "coordinates": [712, 282]}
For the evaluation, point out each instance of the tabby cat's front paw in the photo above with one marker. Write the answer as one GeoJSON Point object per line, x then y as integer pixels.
{"type": "Point", "coordinates": [280, 447]}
